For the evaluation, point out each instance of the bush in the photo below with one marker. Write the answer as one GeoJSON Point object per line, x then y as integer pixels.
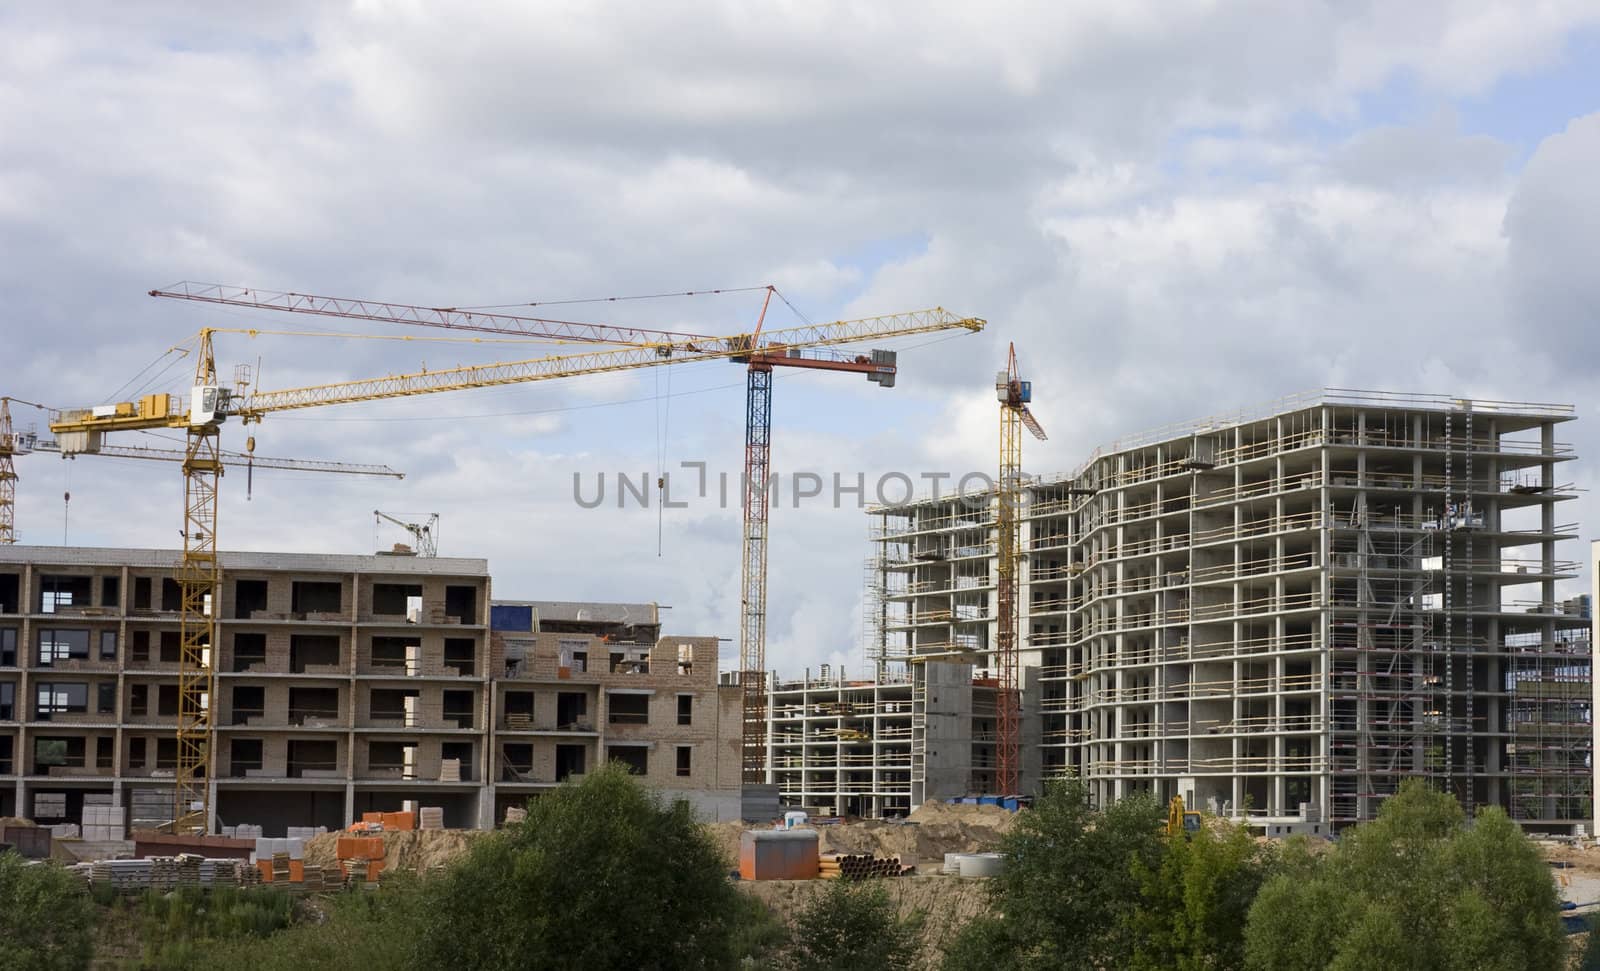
{"type": "Point", "coordinates": [46, 917]}
{"type": "Point", "coordinates": [1414, 888]}
{"type": "Point", "coordinates": [1193, 907]}
{"type": "Point", "coordinates": [600, 875]}
{"type": "Point", "coordinates": [853, 925]}
{"type": "Point", "coordinates": [1069, 889]}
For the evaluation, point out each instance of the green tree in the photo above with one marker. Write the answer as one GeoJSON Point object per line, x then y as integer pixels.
{"type": "Point", "coordinates": [46, 917]}
{"type": "Point", "coordinates": [1192, 911]}
{"type": "Point", "coordinates": [853, 925]}
{"type": "Point", "coordinates": [1069, 889]}
{"type": "Point", "coordinates": [1414, 889]}
{"type": "Point", "coordinates": [600, 875]}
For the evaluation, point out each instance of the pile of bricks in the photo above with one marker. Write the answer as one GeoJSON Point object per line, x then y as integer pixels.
{"type": "Point", "coordinates": [860, 866]}
{"type": "Point", "coordinates": [431, 817]}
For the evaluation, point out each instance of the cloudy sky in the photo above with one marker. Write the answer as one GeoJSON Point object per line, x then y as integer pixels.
{"type": "Point", "coordinates": [1173, 208]}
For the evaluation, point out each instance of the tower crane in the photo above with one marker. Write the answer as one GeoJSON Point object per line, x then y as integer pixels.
{"type": "Point", "coordinates": [426, 535]}
{"type": "Point", "coordinates": [879, 367]}
{"type": "Point", "coordinates": [1014, 395]}
{"type": "Point", "coordinates": [211, 404]}
{"type": "Point", "coordinates": [14, 443]}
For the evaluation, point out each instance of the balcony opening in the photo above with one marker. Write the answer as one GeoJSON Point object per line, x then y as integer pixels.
{"type": "Point", "coordinates": [313, 650]}
{"type": "Point", "coordinates": [111, 592]}
{"type": "Point", "coordinates": [63, 645]}
{"type": "Point", "coordinates": [8, 702]}
{"type": "Point", "coordinates": [139, 650]}
{"type": "Point", "coordinates": [136, 753]}
{"type": "Point", "coordinates": [171, 595]}
{"type": "Point", "coordinates": [397, 655]}
{"type": "Point", "coordinates": [395, 760]}
{"type": "Point", "coordinates": [317, 597]}
{"type": "Point", "coordinates": [397, 600]}
{"type": "Point", "coordinates": [516, 762]}
{"type": "Point", "coordinates": [138, 700]}
{"type": "Point", "coordinates": [58, 593]}
{"type": "Point", "coordinates": [459, 653]}
{"type": "Point", "coordinates": [171, 647]}
{"type": "Point", "coordinates": [141, 593]}
{"type": "Point", "coordinates": [572, 711]}
{"type": "Point", "coordinates": [519, 709]}
{"type": "Point", "coordinates": [167, 701]}
{"type": "Point", "coordinates": [629, 709]}
{"type": "Point", "coordinates": [245, 756]}
{"type": "Point", "coordinates": [249, 650]}
{"type": "Point", "coordinates": [249, 701]}
{"type": "Point", "coordinates": [51, 753]}
{"type": "Point", "coordinates": [461, 604]}
{"type": "Point", "coordinates": [569, 761]}
{"type": "Point", "coordinates": [104, 751]}
{"type": "Point", "coordinates": [394, 707]}
{"type": "Point", "coordinates": [314, 707]}
{"type": "Point", "coordinates": [636, 758]}
{"type": "Point", "coordinates": [60, 698]}
{"type": "Point", "coordinates": [460, 708]}
{"type": "Point", "coordinates": [10, 585]}
{"type": "Point", "coordinates": [461, 752]}
{"type": "Point", "coordinates": [167, 753]}
{"type": "Point", "coordinates": [249, 596]}
{"type": "Point", "coordinates": [313, 758]}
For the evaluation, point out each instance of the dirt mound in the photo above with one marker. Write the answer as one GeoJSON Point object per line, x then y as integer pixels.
{"type": "Point", "coordinates": [416, 851]}
{"type": "Point", "coordinates": [18, 822]}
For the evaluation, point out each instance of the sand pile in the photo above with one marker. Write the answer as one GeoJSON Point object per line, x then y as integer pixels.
{"type": "Point", "coordinates": [415, 851]}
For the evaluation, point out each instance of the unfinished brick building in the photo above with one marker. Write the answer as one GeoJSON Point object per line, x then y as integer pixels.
{"type": "Point", "coordinates": [344, 684]}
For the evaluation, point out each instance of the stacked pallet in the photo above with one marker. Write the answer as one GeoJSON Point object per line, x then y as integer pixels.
{"type": "Point", "coordinates": [430, 817]}
{"type": "Point", "coordinates": [280, 868]}
{"type": "Point", "coordinates": [449, 770]}
{"type": "Point", "coordinates": [519, 722]}
{"type": "Point", "coordinates": [515, 814]}
{"type": "Point", "coordinates": [860, 866]}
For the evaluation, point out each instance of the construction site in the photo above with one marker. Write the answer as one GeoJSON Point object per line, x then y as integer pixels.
{"type": "Point", "coordinates": [1270, 619]}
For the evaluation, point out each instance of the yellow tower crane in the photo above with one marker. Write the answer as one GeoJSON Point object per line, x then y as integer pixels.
{"type": "Point", "coordinates": [1014, 395]}
{"type": "Point", "coordinates": [15, 443]}
{"type": "Point", "coordinates": [210, 404]}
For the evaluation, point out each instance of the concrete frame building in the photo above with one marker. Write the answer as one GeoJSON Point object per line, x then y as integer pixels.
{"type": "Point", "coordinates": [1283, 611]}
{"type": "Point", "coordinates": [343, 684]}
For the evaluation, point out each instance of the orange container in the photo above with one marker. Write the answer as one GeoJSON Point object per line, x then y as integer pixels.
{"type": "Point", "coordinates": [778, 854]}
{"type": "Point", "coordinates": [297, 871]}
{"type": "Point", "coordinates": [265, 866]}
{"type": "Point", "coordinates": [400, 821]}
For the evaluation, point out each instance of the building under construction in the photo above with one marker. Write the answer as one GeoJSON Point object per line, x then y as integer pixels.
{"type": "Point", "coordinates": [1279, 613]}
{"type": "Point", "coordinates": [342, 685]}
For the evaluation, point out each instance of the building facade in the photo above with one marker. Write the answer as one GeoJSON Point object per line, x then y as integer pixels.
{"type": "Point", "coordinates": [1283, 612]}
{"type": "Point", "coordinates": [343, 684]}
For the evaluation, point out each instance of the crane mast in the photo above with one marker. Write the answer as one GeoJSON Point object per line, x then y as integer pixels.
{"type": "Point", "coordinates": [1014, 395]}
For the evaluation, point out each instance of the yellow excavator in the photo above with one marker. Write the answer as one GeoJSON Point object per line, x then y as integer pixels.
{"type": "Point", "coordinates": [1180, 821]}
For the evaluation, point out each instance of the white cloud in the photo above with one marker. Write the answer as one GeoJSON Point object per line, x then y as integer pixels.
{"type": "Point", "coordinates": [1121, 188]}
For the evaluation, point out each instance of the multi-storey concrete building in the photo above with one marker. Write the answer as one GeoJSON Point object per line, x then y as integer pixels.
{"type": "Point", "coordinates": [883, 747]}
{"type": "Point", "coordinates": [578, 684]}
{"type": "Point", "coordinates": [343, 684]}
{"type": "Point", "coordinates": [1298, 606]}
